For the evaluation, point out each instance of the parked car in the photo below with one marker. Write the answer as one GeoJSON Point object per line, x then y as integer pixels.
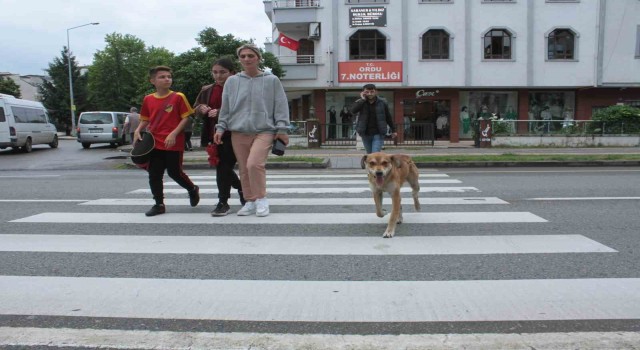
{"type": "Point", "coordinates": [101, 127]}
{"type": "Point", "coordinates": [25, 123]}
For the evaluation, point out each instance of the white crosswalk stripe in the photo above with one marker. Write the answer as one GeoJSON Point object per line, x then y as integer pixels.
{"type": "Point", "coordinates": [274, 300]}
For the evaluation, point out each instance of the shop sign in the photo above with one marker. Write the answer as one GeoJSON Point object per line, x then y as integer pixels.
{"type": "Point", "coordinates": [368, 72]}
{"type": "Point", "coordinates": [426, 93]}
{"type": "Point", "coordinates": [367, 17]}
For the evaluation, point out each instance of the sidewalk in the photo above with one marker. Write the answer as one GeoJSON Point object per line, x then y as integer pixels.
{"type": "Point", "coordinates": [349, 158]}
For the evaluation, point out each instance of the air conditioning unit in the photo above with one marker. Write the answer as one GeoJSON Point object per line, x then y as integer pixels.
{"type": "Point", "coordinates": [314, 31]}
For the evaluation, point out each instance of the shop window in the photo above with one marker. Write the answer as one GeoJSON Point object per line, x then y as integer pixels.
{"type": "Point", "coordinates": [561, 44]}
{"type": "Point", "coordinates": [435, 1]}
{"type": "Point", "coordinates": [435, 45]}
{"type": "Point", "coordinates": [551, 110]}
{"type": "Point", "coordinates": [306, 51]}
{"type": "Point", "coordinates": [367, 44]}
{"type": "Point", "coordinates": [358, 2]}
{"type": "Point", "coordinates": [497, 44]}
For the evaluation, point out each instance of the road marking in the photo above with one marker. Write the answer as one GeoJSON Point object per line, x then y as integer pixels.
{"type": "Point", "coordinates": [319, 190]}
{"type": "Point", "coordinates": [313, 176]}
{"type": "Point", "coordinates": [248, 245]}
{"type": "Point", "coordinates": [144, 339]}
{"type": "Point", "coordinates": [301, 201]}
{"type": "Point", "coordinates": [26, 176]}
{"type": "Point", "coordinates": [341, 301]}
{"type": "Point", "coordinates": [322, 182]}
{"type": "Point", "coordinates": [41, 200]}
{"type": "Point", "coordinates": [580, 198]}
{"type": "Point", "coordinates": [284, 218]}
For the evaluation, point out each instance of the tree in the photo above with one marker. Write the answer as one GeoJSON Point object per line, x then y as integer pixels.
{"type": "Point", "coordinates": [117, 72]}
{"type": "Point", "coordinates": [55, 92]}
{"type": "Point", "coordinates": [9, 87]}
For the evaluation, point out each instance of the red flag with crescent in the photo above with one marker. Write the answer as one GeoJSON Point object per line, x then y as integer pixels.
{"type": "Point", "coordinates": [287, 42]}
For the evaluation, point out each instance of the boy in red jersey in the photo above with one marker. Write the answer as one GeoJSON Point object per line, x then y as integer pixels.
{"type": "Point", "coordinates": [165, 113]}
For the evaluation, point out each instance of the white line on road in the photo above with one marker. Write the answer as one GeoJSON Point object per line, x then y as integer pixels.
{"type": "Point", "coordinates": [313, 176]}
{"type": "Point", "coordinates": [322, 182]}
{"type": "Point", "coordinates": [144, 339]}
{"type": "Point", "coordinates": [248, 245]}
{"type": "Point", "coordinates": [301, 201]}
{"type": "Point", "coordinates": [324, 301]}
{"type": "Point", "coordinates": [580, 198]}
{"type": "Point", "coordinates": [41, 200]}
{"type": "Point", "coordinates": [319, 190]}
{"type": "Point", "coordinates": [284, 218]}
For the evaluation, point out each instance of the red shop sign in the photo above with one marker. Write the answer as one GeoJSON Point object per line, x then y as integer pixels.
{"type": "Point", "coordinates": [371, 71]}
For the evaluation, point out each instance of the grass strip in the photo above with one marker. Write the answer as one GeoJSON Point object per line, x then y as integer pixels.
{"type": "Point", "coordinates": [512, 157]}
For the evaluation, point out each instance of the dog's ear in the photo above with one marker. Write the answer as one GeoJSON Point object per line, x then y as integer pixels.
{"type": "Point", "coordinates": [363, 161]}
{"type": "Point", "coordinates": [396, 160]}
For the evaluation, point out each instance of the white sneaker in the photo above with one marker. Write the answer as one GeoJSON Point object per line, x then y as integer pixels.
{"type": "Point", "coordinates": [262, 207]}
{"type": "Point", "coordinates": [249, 208]}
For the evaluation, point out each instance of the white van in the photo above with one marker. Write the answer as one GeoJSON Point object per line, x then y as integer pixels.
{"type": "Point", "coordinates": [101, 127]}
{"type": "Point", "coordinates": [25, 123]}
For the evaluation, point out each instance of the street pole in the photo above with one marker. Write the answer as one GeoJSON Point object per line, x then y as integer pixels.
{"type": "Point", "coordinates": [73, 107]}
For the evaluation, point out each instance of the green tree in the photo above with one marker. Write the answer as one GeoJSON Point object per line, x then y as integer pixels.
{"type": "Point", "coordinates": [117, 72]}
{"type": "Point", "coordinates": [9, 87]}
{"type": "Point", "coordinates": [55, 92]}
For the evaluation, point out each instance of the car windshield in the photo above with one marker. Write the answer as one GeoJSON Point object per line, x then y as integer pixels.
{"type": "Point", "coordinates": [96, 118]}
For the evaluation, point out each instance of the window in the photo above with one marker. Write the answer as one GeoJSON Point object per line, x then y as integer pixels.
{"type": "Point", "coordinates": [497, 44]}
{"type": "Point", "coordinates": [435, 45]}
{"type": "Point", "coordinates": [561, 45]}
{"type": "Point", "coordinates": [490, 1]}
{"type": "Point", "coordinates": [96, 118]}
{"type": "Point", "coordinates": [638, 42]}
{"type": "Point", "coordinates": [358, 2]}
{"type": "Point", "coordinates": [367, 44]}
{"type": "Point", "coordinates": [305, 53]}
{"type": "Point", "coordinates": [20, 114]}
{"type": "Point", "coordinates": [435, 1]}
{"type": "Point", "coordinates": [563, 0]}
{"type": "Point", "coordinates": [2, 117]}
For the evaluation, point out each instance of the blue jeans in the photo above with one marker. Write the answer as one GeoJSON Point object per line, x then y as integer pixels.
{"type": "Point", "coordinates": [372, 143]}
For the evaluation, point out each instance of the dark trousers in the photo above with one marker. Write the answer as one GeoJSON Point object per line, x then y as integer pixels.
{"type": "Point", "coordinates": [225, 176]}
{"type": "Point", "coordinates": [187, 140]}
{"type": "Point", "coordinates": [172, 162]}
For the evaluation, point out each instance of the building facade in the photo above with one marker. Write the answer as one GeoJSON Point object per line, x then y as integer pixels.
{"type": "Point", "coordinates": [29, 85]}
{"type": "Point", "coordinates": [448, 62]}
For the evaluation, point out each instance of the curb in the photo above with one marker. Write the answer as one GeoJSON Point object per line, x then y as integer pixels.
{"type": "Point", "coordinates": [326, 163]}
{"type": "Point", "coordinates": [472, 164]}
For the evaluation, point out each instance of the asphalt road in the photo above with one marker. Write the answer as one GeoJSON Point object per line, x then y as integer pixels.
{"type": "Point", "coordinates": [589, 215]}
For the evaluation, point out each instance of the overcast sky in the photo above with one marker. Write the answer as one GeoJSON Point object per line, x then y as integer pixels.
{"type": "Point", "coordinates": [34, 32]}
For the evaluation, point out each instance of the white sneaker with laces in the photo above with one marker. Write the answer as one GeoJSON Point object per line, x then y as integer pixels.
{"type": "Point", "coordinates": [249, 208]}
{"type": "Point", "coordinates": [262, 207]}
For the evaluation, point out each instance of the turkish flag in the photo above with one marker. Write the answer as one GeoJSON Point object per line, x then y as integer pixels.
{"type": "Point", "coordinates": [287, 42]}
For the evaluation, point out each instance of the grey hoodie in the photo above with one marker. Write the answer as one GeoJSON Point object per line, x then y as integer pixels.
{"type": "Point", "coordinates": [254, 105]}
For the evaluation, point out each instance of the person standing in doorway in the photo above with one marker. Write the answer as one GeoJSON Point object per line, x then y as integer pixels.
{"type": "Point", "coordinates": [373, 119]}
{"type": "Point", "coordinates": [256, 111]}
{"type": "Point", "coordinates": [166, 113]}
{"type": "Point", "coordinates": [207, 106]}
{"type": "Point", "coordinates": [332, 122]}
{"type": "Point", "coordinates": [345, 118]}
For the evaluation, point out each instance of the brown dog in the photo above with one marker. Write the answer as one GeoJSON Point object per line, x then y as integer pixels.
{"type": "Point", "coordinates": [387, 173]}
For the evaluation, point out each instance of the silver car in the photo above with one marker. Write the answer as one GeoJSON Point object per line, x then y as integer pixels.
{"type": "Point", "coordinates": [101, 127]}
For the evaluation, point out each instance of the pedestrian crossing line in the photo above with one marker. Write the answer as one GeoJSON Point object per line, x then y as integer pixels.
{"type": "Point", "coordinates": [282, 218]}
{"type": "Point", "coordinates": [298, 201]}
{"type": "Point", "coordinates": [321, 182]}
{"type": "Point", "coordinates": [91, 338]}
{"type": "Point", "coordinates": [342, 301]}
{"type": "Point", "coordinates": [319, 190]}
{"type": "Point", "coordinates": [313, 176]}
{"type": "Point", "coordinates": [248, 245]}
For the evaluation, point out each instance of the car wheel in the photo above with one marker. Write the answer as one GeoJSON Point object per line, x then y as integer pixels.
{"type": "Point", "coordinates": [54, 143]}
{"type": "Point", "coordinates": [28, 146]}
{"type": "Point", "coordinates": [113, 145]}
{"type": "Point", "coordinates": [86, 145]}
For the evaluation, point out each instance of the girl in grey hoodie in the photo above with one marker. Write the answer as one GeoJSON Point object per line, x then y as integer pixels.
{"type": "Point", "coordinates": [255, 110]}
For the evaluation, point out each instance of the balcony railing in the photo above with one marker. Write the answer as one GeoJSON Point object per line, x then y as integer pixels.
{"type": "Point", "coordinates": [299, 59]}
{"type": "Point", "coordinates": [296, 3]}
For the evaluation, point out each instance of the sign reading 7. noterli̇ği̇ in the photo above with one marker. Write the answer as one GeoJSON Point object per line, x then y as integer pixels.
{"type": "Point", "coordinates": [367, 17]}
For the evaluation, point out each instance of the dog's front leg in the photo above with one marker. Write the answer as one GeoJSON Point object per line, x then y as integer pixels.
{"type": "Point", "coordinates": [377, 199]}
{"type": "Point", "coordinates": [396, 214]}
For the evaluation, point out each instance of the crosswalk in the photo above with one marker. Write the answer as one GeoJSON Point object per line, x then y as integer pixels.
{"type": "Point", "coordinates": [336, 223]}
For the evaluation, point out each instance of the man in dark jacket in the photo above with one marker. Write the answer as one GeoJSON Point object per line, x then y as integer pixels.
{"type": "Point", "coordinates": [373, 120]}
